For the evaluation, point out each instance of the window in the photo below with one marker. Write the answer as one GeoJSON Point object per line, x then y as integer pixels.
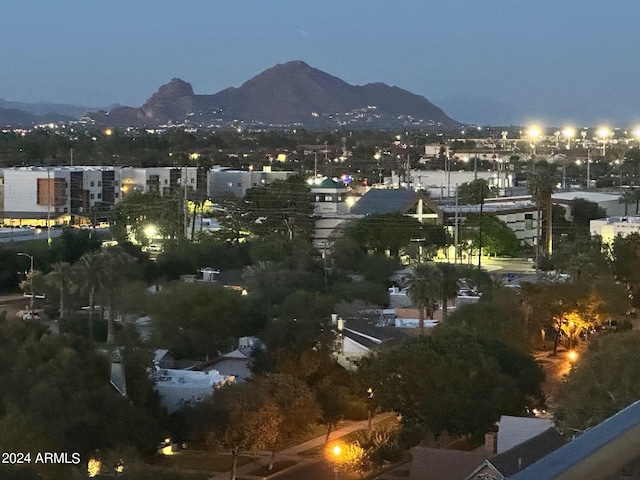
{"type": "Point", "coordinates": [99, 183]}
{"type": "Point", "coordinates": [99, 196]}
{"type": "Point", "coordinates": [116, 195]}
{"type": "Point", "coordinates": [93, 184]}
{"type": "Point", "coordinates": [328, 198]}
{"type": "Point", "coordinates": [166, 181]}
{"type": "Point", "coordinates": [92, 196]}
{"type": "Point", "coordinates": [528, 221]}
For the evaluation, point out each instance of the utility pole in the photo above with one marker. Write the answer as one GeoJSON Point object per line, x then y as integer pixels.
{"type": "Point", "coordinates": [480, 232]}
{"type": "Point", "coordinates": [185, 203]}
{"type": "Point", "coordinates": [588, 168]}
{"type": "Point", "coordinates": [455, 232]}
{"type": "Point", "coordinates": [50, 193]}
{"type": "Point", "coordinates": [33, 293]}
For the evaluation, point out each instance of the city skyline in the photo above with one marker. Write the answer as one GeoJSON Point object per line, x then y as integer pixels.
{"type": "Point", "coordinates": [493, 62]}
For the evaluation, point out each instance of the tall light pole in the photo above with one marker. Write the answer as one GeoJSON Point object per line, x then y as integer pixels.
{"type": "Point", "coordinates": [534, 134]}
{"type": "Point", "coordinates": [33, 294]}
{"type": "Point", "coordinates": [604, 134]}
{"type": "Point", "coordinates": [568, 133]}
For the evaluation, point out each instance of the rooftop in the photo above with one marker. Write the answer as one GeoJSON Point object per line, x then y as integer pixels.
{"type": "Point", "coordinates": [380, 201]}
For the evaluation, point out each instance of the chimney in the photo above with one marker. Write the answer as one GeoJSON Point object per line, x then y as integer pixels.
{"type": "Point", "coordinates": [491, 442]}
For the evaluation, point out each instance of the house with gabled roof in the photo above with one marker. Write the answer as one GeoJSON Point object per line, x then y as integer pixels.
{"type": "Point", "coordinates": [608, 451]}
{"type": "Point", "coordinates": [518, 457]}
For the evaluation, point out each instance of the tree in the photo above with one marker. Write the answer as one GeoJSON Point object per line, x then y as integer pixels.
{"type": "Point", "coordinates": [499, 318]}
{"type": "Point", "coordinates": [384, 232]}
{"type": "Point", "coordinates": [197, 320]}
{"type": "Point", "coordinates": [282, 207]}
{"type": "Point", "coordinates": [138, 211]}
{"type": "Point", "coordinates": [497, 238]}
{"type": "Point", "coordinates": [239, 417]}
{"type": "Point", "coordinates": [583, 211]}
{"type": "Point", "coordinates": [627, 197]}
{"type": "Point", "coordinates": [425, 290]}
{"type": "Point", "coordinates": [541, 189]}
{"type": "Point", "coordinates": [116, 265]}
{"type": "Point", "coordinates": [60, 276]}
{"type": "Point", "coordinates": [604, 380]}
{"type": "Point", "coordinates": [475, 192]}
{"type": "Point", "coordinates": [452, 381]}
{"type": "Point", "coordinates": [449, 276]}
{"type": "Point", "coordinates": [56, 395]}
{"type": "Point", "coordinates": [88, 272]}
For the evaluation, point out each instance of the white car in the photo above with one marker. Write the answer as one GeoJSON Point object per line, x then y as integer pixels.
{"type": "Point", "coordinates": [27, 315]}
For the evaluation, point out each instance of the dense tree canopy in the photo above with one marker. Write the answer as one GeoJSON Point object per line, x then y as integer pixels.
{"type": "Point", "coordinates": [497, 238]}
{"type": "Point", "coordinates": [197, 320]}
{"type": "Point", "coordinates": [282, 207]}
{"type": "Point", "coordinates": [453, 382]}
{"type": "Point", "coordinates": [391, 232]}
{"type": "Point", "coordinates": [56, 396]}
{"type": "Point", "coordinates": [604, 380]}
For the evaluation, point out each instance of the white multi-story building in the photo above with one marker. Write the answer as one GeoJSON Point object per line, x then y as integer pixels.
{"type": "Point", "coordinates": [609, 228]}
{"type": "Point", "coordinates": [162, 180]}
{"type": "Point", "coordinates": [237, 182]}
{"type": "Point", "coordinates": [59, 190]}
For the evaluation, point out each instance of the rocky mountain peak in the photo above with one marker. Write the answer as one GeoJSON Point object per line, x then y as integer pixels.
{"type": "Point", "coordinates": [172, 100]}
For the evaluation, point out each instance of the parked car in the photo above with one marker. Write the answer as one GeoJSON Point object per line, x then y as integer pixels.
{"type": "Point", "coordinates": [27, 315]}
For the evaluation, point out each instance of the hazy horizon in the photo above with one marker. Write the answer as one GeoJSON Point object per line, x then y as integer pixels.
{"type": "Point", "coordinates": [497, 61]}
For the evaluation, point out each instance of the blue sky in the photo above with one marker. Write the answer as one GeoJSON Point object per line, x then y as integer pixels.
{"type": "Point", "coordinates": [484, 61]}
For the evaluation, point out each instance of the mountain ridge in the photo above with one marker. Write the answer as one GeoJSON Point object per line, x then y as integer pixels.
{"type": "Point", "coordinates": [293, 93]}
{"type": "Point", "coordinates": [287, 94]}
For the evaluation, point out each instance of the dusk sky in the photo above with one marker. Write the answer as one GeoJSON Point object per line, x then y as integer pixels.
{"type": "Point", "coordinates": [483, 61]}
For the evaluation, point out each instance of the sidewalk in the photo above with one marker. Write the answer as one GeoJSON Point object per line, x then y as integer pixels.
{"type": "Point", "coordinates": [296, 452]}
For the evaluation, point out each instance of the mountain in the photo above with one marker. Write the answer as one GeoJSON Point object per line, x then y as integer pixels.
{"type": "Point", "coordinates": [292, 93]}
{"type": "Point", "coordinates": [43, 108]}
{"type": "Point", "coordinates": [15, 117]}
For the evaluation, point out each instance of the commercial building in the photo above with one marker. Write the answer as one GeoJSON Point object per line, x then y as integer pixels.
{"type": "Point", "coordinates": [609, 228]}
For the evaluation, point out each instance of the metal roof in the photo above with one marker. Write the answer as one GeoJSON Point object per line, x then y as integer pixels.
{"type": "Point", "coordinates": [599, 453]}
{"type": "Point", "coordinates": [379, 201]}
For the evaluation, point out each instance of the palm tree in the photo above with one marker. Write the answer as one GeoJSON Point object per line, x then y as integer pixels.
{"type": "Point", "coordinates": [449, 276]}
{"type": "Point", "coordinates": [60, 277]}
{"type": "Point", "coordinates": [115, 263]}
{"type": "Point", "coordinates": [425, 290]}
{"type": "Point", "coordinates": [89, 275]}
{"type": "Point", "coordinates": [541, 189]}
{"type": "Point", "coordinates": [627, 197]}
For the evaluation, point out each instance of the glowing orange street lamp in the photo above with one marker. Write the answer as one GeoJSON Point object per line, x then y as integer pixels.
{"type": "Point", "coordinates": [336, 450]}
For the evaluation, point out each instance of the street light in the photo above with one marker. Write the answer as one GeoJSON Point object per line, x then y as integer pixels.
{"type": "Point", "coordinates": [20, 254]}
{"type": "Point", "coordinates": [377, 157]}
{"type": "Point", "coordinates": [569, 133]}
{"type": "Point", "coordinates": [336, 452]}
{"type": "Point", "coordinates": [534, 134]}
{"type": "Point", "coordinates": [604, 134]}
